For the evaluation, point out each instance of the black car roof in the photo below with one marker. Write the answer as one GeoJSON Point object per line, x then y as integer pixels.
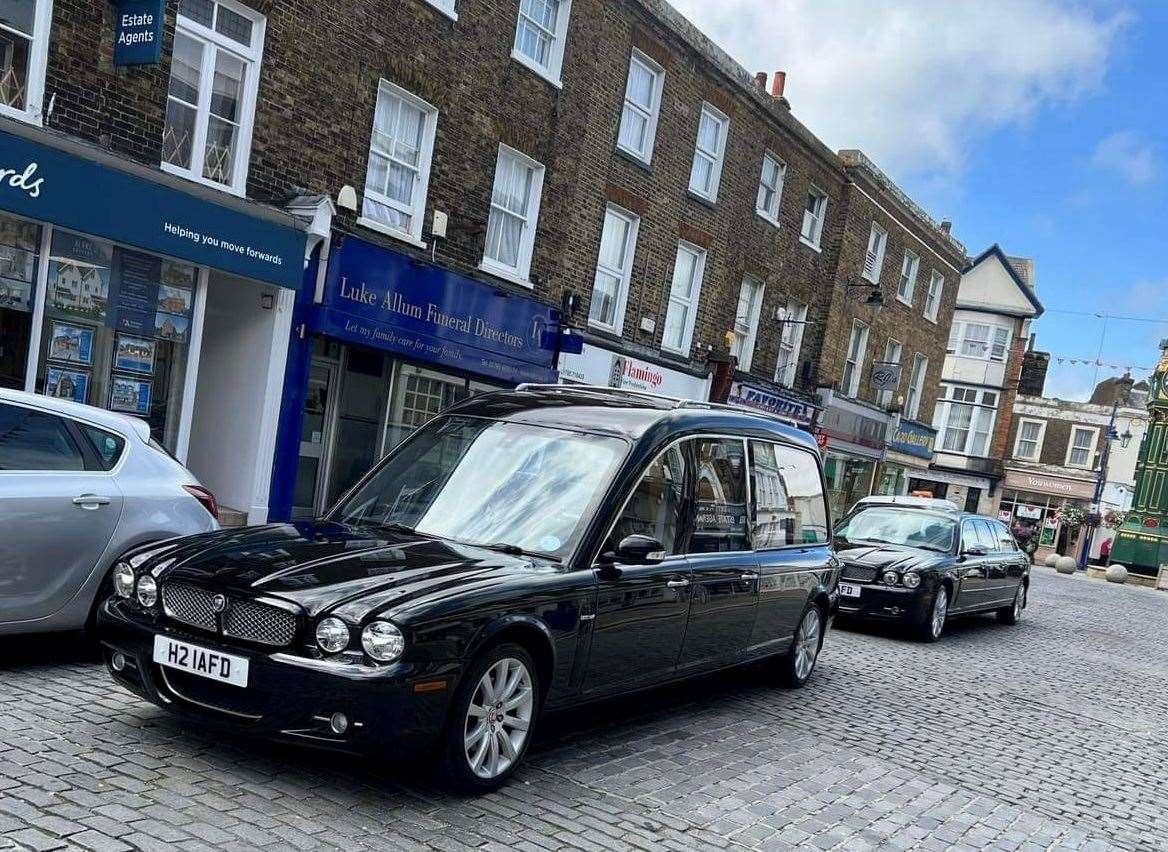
{"type": "Point", "coordinates": [629, 414]}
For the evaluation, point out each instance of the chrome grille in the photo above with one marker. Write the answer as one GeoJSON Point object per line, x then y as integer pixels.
{"type": "Point", "coordinates": [859, 573]}
{"type": "Point", "coordinates": [258, 622]}
{"type": "Point", "coordinates": [189, 604]}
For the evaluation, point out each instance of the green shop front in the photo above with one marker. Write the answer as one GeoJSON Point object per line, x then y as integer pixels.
{"type": "Point", "coordinates": [134, 291]}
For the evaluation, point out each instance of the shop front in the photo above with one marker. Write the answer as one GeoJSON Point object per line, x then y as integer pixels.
{"type": "Point", "coordinates": [391, 343]}
{"type": "Point", "coordinates": [906, 457]}
{"type": "Point", "coordinates": [595, 365]}
{"type": "Point", "coordinates": [855, 435]}
{"type": "Point", "coordinates": [135, 291]}
{"type": "Point", "coordinates": [774, 401]}
{"type": "Point", "coordinates": [1033, 499]}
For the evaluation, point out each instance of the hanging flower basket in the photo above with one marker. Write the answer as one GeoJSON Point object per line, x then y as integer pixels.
{"type": "Point", "coordinates": [1113, 519]}
{"type": "Point", "coordinates": [1071, 516]}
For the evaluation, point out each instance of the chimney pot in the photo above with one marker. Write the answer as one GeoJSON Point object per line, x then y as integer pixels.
{"type": "Point", "coordinates": [760, 80]}
{"type": "Point", "coordinates": [778, 84]}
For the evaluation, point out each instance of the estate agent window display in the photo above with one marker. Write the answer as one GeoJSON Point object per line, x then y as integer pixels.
{"type": "Point", "coordinates": [19, 258]}
{"type": "Point", "coordinates": [116, 330]}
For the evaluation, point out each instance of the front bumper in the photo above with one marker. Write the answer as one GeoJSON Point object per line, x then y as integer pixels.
{"type": "Point", "coordinates": [288, 697]}
{"type": "Point", "coordinates": [880, 602]}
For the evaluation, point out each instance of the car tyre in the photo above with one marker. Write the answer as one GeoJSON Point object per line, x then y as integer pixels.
{"type": "Point", "coordinates": [1012, 613]}
{"type": "Point", "coordinates": [798, 664]}
{"type": "Point", "coordinates": [492, 719]}
{"type": "Point", "coordinates": [932, 623]}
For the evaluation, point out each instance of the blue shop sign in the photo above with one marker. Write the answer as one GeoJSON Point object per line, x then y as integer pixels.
{"type": "Point", "coordinates": [773, 402]}
{"type": "Point", "coordinates": [380, 298]}
{"type": "Point", "coordinates": [913, 439]}
{"type": "Point", "coordinates": [138, 32]}
{"type": "Point", "coordinates": [49, 185]}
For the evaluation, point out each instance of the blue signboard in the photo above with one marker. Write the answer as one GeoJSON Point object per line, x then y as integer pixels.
{"type": "Point", "coordinates": [913, 439]}
{"type": "Point", "coordinates": [46, 184]}
{"type": "Point", "coordinates": [379, 298]}
{"type": "Point", "coordinates": [138, 32]}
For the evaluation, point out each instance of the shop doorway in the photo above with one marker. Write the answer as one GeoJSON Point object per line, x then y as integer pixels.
{"type": "Point", "coordinates": [314, 440]}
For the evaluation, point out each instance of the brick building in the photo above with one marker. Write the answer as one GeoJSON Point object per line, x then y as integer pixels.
{"type": "Point", "coordinates": [379, 211]}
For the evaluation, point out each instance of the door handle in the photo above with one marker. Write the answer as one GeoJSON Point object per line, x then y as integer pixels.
{"type": "Point", "coordinates": [90, 501]}
{"type": "Point", "coordinates": [750, 576]}
{"type": "Point", "coordinates": [677, 584]}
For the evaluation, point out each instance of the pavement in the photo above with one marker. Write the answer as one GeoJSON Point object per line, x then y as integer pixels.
{"type": "Point", "coordinates": [1047, 735]}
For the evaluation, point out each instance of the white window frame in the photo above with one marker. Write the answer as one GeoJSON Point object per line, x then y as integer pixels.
{"type": "Point", "coordinates": [38, 61]}
{"type": "Point", "coordinates": [1022, 423]}
{"type": "Point", "coordinates": [253, 58]}
{"type": "Point", "coordinates": [794, 319]}
{"type": "Point", "coordinates": [744, 342]}
{"type": "Point", "coordinates": [959, 335]}
{"type": "Point", "coordinates": [885, 397]}
{"type": "Point", "coordinates": [858, 344]}
{"type": "Point", "coordinates": [625, 275]}
{"type": "Point", "coordinates": [417, 211]}
{"type": "Point", "coordinates": [942, 416]}
{"type": "Point", "coordinates": [651, 117]}
{"type": "Point", "coordinates": [994, 343]}
{"type": "Point", "coordinates": [550, 72]}
{"type": "Point", "coordinates": [874, 255]}
{"type": "Point", "coordinates": [446, 7]}
{"type": "Point", "coordinates": [691, 303]}
{"type": "Point", "coordinates": [933, 298]}
{"type": "Point", "coordinates": [771, 213]}
{"type": "Point", "coordinates": [1094, 430]}
{"type": "Point", "coordinates": [817, 217]}
{"type": "Point", "coordinates": [520, 273]}
{"type": "Point", "coordinates": [716, 157]}
{"type": "Point", "coordinates": [906, 285]}
{"type": "Point", "coordinates": [916, 386]}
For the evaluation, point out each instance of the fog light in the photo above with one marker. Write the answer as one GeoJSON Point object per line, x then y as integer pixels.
{"type": "Point", "coordinates": [118, 661]}
{"type": "Point", "coordinates": [147, 591]}
{"type": "Point", "coordinates": [890, 578]}
{"type": "Point", "coordinates": [339, 722]}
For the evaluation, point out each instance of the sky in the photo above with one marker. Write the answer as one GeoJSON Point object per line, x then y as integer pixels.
{"type": "Point", "coordinates": [1035, 124]}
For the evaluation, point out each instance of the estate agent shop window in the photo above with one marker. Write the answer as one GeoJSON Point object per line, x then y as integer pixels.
{"type": "Point", "coordinates": [115, 324]}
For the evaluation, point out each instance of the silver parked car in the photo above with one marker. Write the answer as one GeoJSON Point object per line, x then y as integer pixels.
{"type": "Point", "coordinates": [79, 487]}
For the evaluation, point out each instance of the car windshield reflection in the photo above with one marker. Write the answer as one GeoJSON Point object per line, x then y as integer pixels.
{"type": "Point", "coordinates": [897, 526]}
{"type": "Point", "coordinates": [510, 487]}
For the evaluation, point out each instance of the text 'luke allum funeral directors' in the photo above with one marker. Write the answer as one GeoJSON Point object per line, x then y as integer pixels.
{"type": "Point", "coordinates": [393, 302]}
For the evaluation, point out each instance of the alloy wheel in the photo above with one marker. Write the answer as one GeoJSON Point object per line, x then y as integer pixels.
{"type": "Point", "coordinates": [498, 718]}
{"type": "Point", "coordinates": [807, 643]}
{"type": "Point", "coordinates": [940, 610]}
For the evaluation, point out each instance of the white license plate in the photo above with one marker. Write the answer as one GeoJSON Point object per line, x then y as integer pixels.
{"type": "Point", "coordinates": [213, 665]}
{"type": "Point", "coordinates": [849, 590]}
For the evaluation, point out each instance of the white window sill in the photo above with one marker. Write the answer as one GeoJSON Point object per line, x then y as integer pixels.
{"type": "Point", "coordinates": [27, 116]}
{"type": "Point", "coordinates": [450, 13]}
{"type": "Point", "coordinates": [875, 282]}
{"type": "Point", "coordinates": [193, 178]}
{"type": "Point", "coordinates": [616, 330]}
{"type": "Point", "coordinates": [670, 350]}
{"type": "Point", "coordinates": [813, 246]}
{"type": "Point", "coordinates": [703, 196]}
{"type": "Point", "coordinates": [535, 67]}
{"type": "Point", "coordinates": [933, 320]}
{"type": "Point", "coordinates": [766, 217]}
{"type": "Point", "coordinates": [506, 274]}
{"type": "Point", "coordinates": [381, 228]}
{"type": "Point", "coordinates": [639, 156]}
{"type": "Point", "coordinates": [907, 302]}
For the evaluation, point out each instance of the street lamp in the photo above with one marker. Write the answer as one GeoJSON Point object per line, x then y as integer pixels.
{"type": "Point", "coordinates": [1125, 439]}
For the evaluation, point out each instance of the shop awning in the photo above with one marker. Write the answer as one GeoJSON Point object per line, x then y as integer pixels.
{"type": "Point", "coordinates": [61, 181]}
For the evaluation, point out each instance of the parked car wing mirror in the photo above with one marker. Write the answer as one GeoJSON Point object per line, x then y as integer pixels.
{"type": "Point", "coordinates": [640, 550]}
{"type": "Point", "coordinates": [975, 550]}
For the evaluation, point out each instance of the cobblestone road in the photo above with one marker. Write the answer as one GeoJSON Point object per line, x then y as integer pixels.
{"type": "Point", "coordinates": [1050, 734]}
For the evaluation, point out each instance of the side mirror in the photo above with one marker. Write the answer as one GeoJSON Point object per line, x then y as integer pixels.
{"type": "Point", "coordinates": [639, 550]}
{"type": "Point", "coordinates": [975, 550]}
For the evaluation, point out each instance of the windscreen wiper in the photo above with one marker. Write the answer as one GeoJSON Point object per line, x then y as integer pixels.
{"type": "Point", "coordinates": [515, 550]}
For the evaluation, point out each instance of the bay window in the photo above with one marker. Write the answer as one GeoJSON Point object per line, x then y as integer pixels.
{"type": "Point", "coordinates": [746, 321]}
{"type": "Point", "coordinates": [210, 107]}
{"type": "Point", "coordinates": [638, 124]}
{"type": "Point", "coordinates": [24, 50]}
{"type": "Point", "coordinates": [964, 419]}
{"type": "Point", "coordinates": [514, 214]}
{"type": "Point", "coordinates": [854, 362]}
{"type": "Point", "coordinates": [400, 151]}
{"type": "Point", "coordinates": [684, 292]}
{"type": "Point", "coordinates": [614, 269]}
{"type": "Point", "coordinates": [794, 319]}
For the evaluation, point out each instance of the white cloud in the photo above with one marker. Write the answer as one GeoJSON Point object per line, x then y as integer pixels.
{"type": "Point", "coordinates": [916, 83]}
{"type": "Point", "coordinates": [1128, 156]}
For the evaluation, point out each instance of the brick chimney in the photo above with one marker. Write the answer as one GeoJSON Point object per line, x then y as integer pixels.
{"type": "Point", "coordinates": [760, 80]}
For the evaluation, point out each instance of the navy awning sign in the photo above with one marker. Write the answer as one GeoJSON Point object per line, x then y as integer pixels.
{"type": "Point", "coordinates": [380, 298]}
{"type": "Point", "coordinates": [49, 185]}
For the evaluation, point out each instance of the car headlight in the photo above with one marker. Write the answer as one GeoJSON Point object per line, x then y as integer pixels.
{"type": "Point", "coordinates": [912, 579]}
{"type": "Point", "coordinates": [124, 580]}
{"type": "Point", "coordinates": [383, 641]}
{"type": "Point", "coordinates": [890, 578]}
{"type": "Point", "coordinates": [332, 635]}
{"type": "Point", "coordinates": [147, 591]}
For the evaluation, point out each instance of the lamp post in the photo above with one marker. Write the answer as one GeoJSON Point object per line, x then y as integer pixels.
{"type": "Point", "coordinates": [1101, 480]}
